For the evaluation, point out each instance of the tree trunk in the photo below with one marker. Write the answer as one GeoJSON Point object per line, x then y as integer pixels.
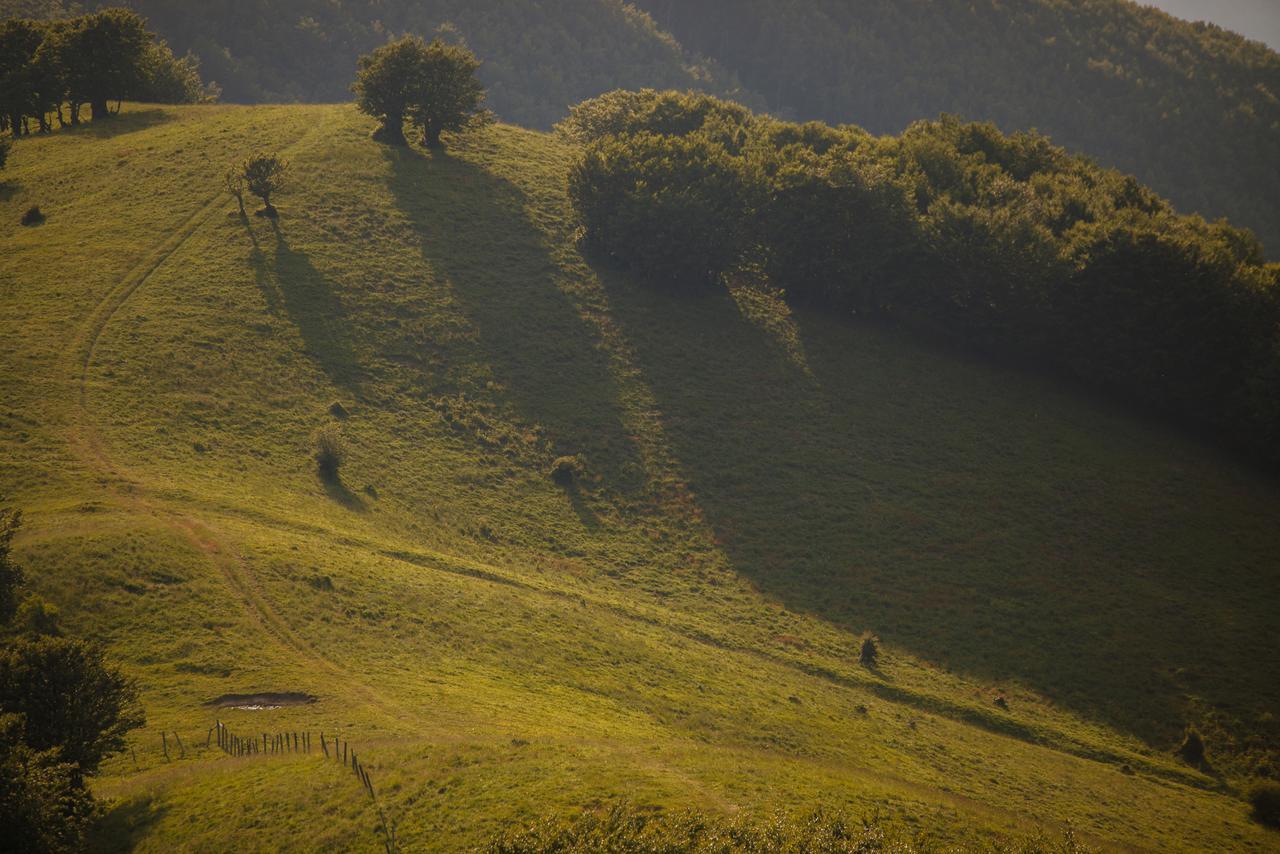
{"type": "Point", "coordinates": [392, 131]}
{"type": "Point", "coordinates": [99, 110]}
{"type": "Point", "coordinates": [74, 109]}
{"type": "Point", "coordinates": [15, 124]}
{"type": "Point", "coordinates": [431, 136]}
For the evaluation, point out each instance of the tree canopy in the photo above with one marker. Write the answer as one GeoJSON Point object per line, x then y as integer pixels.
{"type": "Point", "coordinates": [432, 85]}
{"type": "Point", "coordinates": [92, 59]}
{"type": "Point", "coordinates": [1004, 243]}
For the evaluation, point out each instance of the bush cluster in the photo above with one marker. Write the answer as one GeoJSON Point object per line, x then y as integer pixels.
{"type": "Point", "coordinates": [1003, 242]}
{"type": "Point", "coordinates": [92, 59]}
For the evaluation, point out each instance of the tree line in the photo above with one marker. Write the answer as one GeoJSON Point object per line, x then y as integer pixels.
{"type": "Point", "coordinates": [50, 70]}
{"type": "Point", "coordinates": [1191, 109]}
{"type": "Point", "coordinates": [1003, 242]}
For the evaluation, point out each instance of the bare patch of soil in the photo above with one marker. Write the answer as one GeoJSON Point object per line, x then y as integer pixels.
{"type": "Point", "coordinates": [261, 702]}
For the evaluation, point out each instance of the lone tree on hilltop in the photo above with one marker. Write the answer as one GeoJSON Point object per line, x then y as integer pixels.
{"type": "Point", "coordinates": [449, 95]}
{"type": "Point", "coordinates": [387, 83]}
{"type": "Point", "coordinates": [264, 174]}
{"type": "Point", "coordinates": [433, 86]}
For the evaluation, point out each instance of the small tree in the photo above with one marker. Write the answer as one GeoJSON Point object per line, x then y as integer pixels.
{"type": "Point", "coordinates": [447, 96]}
{"type": "Point", "coordinates": [234, 183]}
{"type": "Point", "coordinates": [264, 174]}
{"type": "Point", "coordinates": [5, 145]}
{"type": "Point", "coordinates": [869, 654]}
{"type": "Point", "coordinates": [69, 699]}
{"type": "Point", "coordinates": [387, 83]}
{"type": "Point", "coordinates": [331, 452]}
{"type": "Point", "coordinates": [1192, 748]}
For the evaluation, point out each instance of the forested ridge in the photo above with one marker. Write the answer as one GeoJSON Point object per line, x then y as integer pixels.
{"type": "Point", "coordinates": [1190, 109]}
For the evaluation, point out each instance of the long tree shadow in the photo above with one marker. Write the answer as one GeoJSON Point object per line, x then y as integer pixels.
{"type": "Point", "coordinates": [969, 513]}
{"type": "Point", "coordinates": [290, 283]}
{"type": "Point", "coordinates": [477, 235]}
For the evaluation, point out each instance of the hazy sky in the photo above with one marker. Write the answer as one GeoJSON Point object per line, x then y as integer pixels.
{"type": "Point", "coordinates": [1257, 19]}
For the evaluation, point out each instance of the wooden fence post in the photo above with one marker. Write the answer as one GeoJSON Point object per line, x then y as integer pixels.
{"type": "Point", "coordinates": [181, 748]}
{"type": "Point", "coordinates": [324, 744]}
{"type": "Point", "coordinates": [164, 743]}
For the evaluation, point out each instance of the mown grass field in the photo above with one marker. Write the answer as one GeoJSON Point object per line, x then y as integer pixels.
{"type": "Point", "coordinates": [681, 628]}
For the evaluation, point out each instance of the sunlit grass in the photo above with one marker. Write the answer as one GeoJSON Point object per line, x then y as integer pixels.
{"type": "Point", "coordinates": [681, 626]}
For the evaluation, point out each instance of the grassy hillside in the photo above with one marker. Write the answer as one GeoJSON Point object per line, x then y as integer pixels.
{"type": "Point", "coordinates": [681, 628]}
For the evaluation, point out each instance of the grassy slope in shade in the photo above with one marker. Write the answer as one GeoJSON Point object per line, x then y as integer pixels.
{"type": "Point", "coordinates": [683, 627]}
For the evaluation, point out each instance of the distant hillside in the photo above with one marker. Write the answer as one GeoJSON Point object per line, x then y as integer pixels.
{"type": "Point", "coordinates": [1191, 110]}
{"type": "Point", "coordinates": [539, 59]}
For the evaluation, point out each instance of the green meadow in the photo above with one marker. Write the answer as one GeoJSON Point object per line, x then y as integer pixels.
{"type": "Point", "coordinates": [1060, 584]}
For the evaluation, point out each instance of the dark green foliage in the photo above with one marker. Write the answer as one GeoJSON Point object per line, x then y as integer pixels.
{"type": "Point", "coordinates": [664, 113]}
{"type": "Point", "coordinates": [1003, 243]}
{"type": "Point", "coordinates": [567, 471]}
{"type": "Point", "coordinates": [263, 175]}
{"type": "Point", "coordinates": [387, 83]}
{"type": "Point", "coordinates": [1265, 800]}
{"type": "Point", "coordinates": [166, 79]}
{"type": "Point", "coordinates": [837, 226]}
{"type": "Point", "coordinates": [70, 699]}
{"type": "Point", "coordinates": [92, 59]}
{"type": "Point", "coordinates": [33, 216]}
{"type": "Point", "coordinates": [1191, 110]}
{"type": "Point", "coordinates": [10, 575]}
{"type": "Point", "coordinates": [103, 57]}
{"type": "Point", "coordinates": [5, 147]}
{"type": "Point", "coordinates": [1192, 750]}
{"type": "Point", "coordinates": [62, 710]}
{"type": "Point", "coordinates": [447, 94]}
{"type": "Point", "coordinates": [670, 207]}
{"type": "Point", "coordinates": [44, 807]}
{"type": "Point", "coordinates": [330, 452]}
{"type": "Point", "coordinates": [869, 652]}
{"type": "Point", "coordinates": [539, 58]}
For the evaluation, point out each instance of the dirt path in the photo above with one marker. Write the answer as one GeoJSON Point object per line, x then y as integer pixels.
{"type": "Point", "coordinates": [88, 446]}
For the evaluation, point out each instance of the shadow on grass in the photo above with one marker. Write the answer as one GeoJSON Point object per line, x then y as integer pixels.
{"type": "Point", "coordinates": [124, 825]}
{"type": "Point", "coordinates": [291, 284]}
{"type": "Point", "coordinates": [339, 492]}
{"type": "Point", "coordinates": [477, 234]}
{"type": "Point", "coordinates": [967, 513]}
{"type": "Point", "coordinates": [130, 120]}
{"type": "Point", "coordinates": [9, 189]}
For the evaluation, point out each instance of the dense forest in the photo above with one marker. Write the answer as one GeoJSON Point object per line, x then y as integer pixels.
{"type": "Point", "coordinates": [1006, 243]}
{"type": "Point", "coordinates": [1190, 109]}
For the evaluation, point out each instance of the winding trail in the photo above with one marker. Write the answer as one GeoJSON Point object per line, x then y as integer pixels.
{"type": "Point", "coordinates": [88, 446]}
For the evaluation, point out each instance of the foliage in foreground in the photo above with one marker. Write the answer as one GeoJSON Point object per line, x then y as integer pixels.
{"type": "Point", "coordinates": [62, 711]}
{"type": "Point", "coordinates": [624, 828]}
{"type": "Point", "coordinates": [1004, 243]}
